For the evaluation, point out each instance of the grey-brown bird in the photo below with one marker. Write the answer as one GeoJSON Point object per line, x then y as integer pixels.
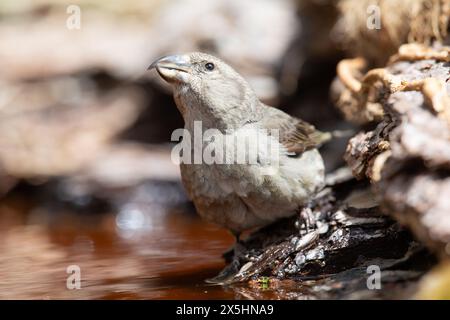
{"type": "Point", "coordinates": [242, 196]}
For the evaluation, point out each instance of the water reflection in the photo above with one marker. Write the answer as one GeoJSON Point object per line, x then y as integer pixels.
{"type": "Point", "coordinates": [150, 247]}
{"type": "Point", "coordinates": [131, 220]}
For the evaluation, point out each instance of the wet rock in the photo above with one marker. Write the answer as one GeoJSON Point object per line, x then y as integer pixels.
{"type": "Point", "coordinates": [357, 238]}
{"type": "Point", "coordinates": [406, 155]}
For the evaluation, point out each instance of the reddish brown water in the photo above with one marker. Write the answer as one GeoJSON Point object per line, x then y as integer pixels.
{"type": "Point", "coordinates": [147, 248]}
{"type": "Point", "coordinates": [133, 254]}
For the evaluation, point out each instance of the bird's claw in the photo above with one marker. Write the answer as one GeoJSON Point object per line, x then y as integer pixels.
{"type": "Point", "coordinates": [226, 276]}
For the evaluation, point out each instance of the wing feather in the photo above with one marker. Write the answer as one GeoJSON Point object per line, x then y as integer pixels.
{"type": "Point", "coordinates": [295, 134]}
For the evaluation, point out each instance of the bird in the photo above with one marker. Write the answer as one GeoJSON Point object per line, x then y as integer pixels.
{"type": "Point", "coordinates": [242, 196]}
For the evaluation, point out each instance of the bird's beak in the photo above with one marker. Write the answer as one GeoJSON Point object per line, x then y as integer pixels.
{"type": "Point", "coordinates": [172, 68]}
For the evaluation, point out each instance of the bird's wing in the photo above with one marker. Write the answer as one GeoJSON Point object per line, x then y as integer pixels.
{"type": "Point", "coordinates": [295, 134]}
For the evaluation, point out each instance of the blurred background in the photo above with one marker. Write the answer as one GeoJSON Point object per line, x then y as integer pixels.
{"type": "Point", "coordinates": [85, 172]}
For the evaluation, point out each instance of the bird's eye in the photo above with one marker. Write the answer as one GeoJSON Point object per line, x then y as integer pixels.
{"type": "Point", "coordinates": [209, 66]}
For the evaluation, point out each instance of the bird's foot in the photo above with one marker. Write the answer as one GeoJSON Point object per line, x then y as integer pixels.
{"type": "Point", "coordinates": [228, 255]}
{"type": "Point", "coordinates": [233, 256]}
{"type": "Point", "coordinates": [307, 219]}
{"type": "Point", "coordinates": [227, 274]}
{"type": "Point", "coordinates": [236, 249]}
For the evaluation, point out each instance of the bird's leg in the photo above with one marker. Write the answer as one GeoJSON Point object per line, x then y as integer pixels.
{"type": "Point", "coordinates": [233, 256]}
{"type": "Point", "coordinates": [239, 246]}
{"type": "Point", "coordinates": [237, 235]}
{"type": "Point", "coordinates": [307, 219]}
{"type": "Point", "coordinates": [235, 249]}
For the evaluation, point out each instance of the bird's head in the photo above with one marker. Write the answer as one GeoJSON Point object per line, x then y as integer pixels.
{"type": "Point", "coordinates": [206, 88]}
